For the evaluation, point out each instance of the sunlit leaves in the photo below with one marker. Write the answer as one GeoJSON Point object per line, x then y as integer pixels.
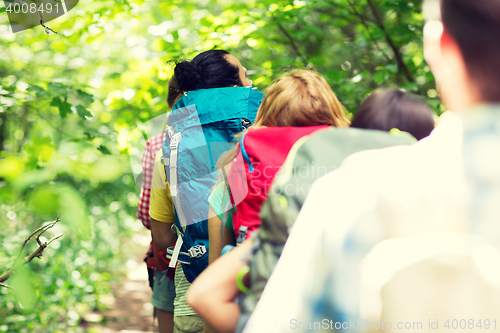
{"type": "Point", "coordinates": [38, 91]}
{"type": "Point", "coordinates": [85, 97]}
{"type": "Point", "coordinates": [63, 106]}
{"type": "Point", "coordinates": [62, 200]}
{"type": "Point", "coordinates": [380, 76]}
{"type": "Point", "coordinates": [45, 199]}
{"type": "Point", "coordinates": [11, 167]}
{"type": "Point", "coordinates": [103, 149]}
{"type": "Point", "coordinates": [333, 76]}
{"type": "Point", "coordinates": [106, 169]}
{"type": "Point", "coordinates": [83, 112]}
{"type": "Point", "coordinates": [73, 210]}
{"type": "Point", "coordinates": [23, 290]}
{"type": "Point", "coordinates": [39, 150]}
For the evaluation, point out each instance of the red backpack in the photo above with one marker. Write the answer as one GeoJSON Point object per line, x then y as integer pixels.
{"type": "Point", "coordinates": [263, 152]}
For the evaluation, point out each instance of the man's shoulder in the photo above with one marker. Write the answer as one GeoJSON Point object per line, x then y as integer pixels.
{"type": "Point", "coordinates": [159, 178]}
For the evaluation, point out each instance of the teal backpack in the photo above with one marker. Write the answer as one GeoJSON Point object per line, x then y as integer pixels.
{"type": "Point", "coordinates": [201, 127]}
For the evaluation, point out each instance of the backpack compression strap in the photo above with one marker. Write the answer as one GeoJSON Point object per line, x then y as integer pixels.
{"type": "Point", "coordinates": [175, 139]}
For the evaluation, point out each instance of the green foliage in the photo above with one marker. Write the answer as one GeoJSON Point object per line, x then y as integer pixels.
{"type": "Point", "coordinates": [65, 117]}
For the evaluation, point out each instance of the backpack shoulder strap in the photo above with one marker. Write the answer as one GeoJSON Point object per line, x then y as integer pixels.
{"type": "Point", "coordinates": [244, 152]}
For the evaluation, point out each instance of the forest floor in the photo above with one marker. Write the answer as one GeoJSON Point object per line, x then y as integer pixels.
{"type": "Point", "coordinates": [131, 310]}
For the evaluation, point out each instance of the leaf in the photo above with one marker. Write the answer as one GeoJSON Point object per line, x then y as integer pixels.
{"type": "Point", "coordinates": [83, 112]}
{"type": "Point", "coordinates": [31, 178]}
{"type": "Point", "coordinates": [333, 76]}
{"type": "Point", "coordinates": [313, 29]}
{"type": "Point", "coordinates": [45, 199]}
{"type": "Point", "coordinates": [107, 169]}
{"type": "Point", "coordinates": [392, 68]}
{"type": "Point", "coordinates": [89, 136]}
{"type": "Point", "coordinates": [57, 88]}
{"type": "Point", "coordinates": [39, 91]}
{"type": "Point", "coordinates": [380, 77]}
{"type": "Point", "coordinates": [205, 22]}
{"type": "Point", "coordinates": [3, 10]}
{"type": "Point", "coordinates": [11, 167]}
{"type": "Point", "coordinates": [23, 287]}
{"type": "Point", "coordinates": [103, 149]}
{"type": "Point", "coordinates": [85, 97]}
{"type": "Point", "coordinates": [64, 107]}
{"type": "Point", "coordinates": [73, 210]}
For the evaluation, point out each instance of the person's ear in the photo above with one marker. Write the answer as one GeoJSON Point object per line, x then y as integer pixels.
{"type": "Point", "coordinates": [449, 45]}
{"type": "Point", "coordinates": [433, 31]}
{"type": "Point", "coordinates": [446, 42]}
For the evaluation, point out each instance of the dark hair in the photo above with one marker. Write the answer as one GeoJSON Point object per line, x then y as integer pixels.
{"type": "Point", "coordinates": [173, 92]}
{"type": "Point", "coordinates": [386, 109]}
{"type": "Point", "coordinates": [209, 69]}
{"type": "Point", "coordinates": [475, 26]}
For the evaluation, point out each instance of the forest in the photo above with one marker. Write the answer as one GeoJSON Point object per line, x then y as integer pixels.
{"type": "Point", "coordinates": [73, 94]}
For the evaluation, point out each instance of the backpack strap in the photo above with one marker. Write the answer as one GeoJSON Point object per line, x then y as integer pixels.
{"type": "Point", "coordinates": [175, 140]}
{"type": "Point", "coordinates": [244, 152]}
{"type": "Point", "coordinates": [228, 190]}
{"type": "Point", "coordinates": [175, 252]}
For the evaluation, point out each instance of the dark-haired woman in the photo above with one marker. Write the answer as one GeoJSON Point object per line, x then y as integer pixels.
{"type": "Point", "coordinates": [386, 109]}
{"type": "Point", "coordinates": [211, 69]}
{"type": "Point", "coordinates": [215, 83]}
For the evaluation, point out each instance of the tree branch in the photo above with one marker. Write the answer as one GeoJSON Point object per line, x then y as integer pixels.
{"type": "Point", "coordinates": [397, 53]}
{"type": "Point", "coordinates": [367, 28]}
{"type": "Point", "coordinates": [292, 42]}
{"type": "Point", "coordinates": [35, 254]}
{"type": "Point", "coordinates": [5, 286]}
{"type": "Point", "coordinates": [38, 231]}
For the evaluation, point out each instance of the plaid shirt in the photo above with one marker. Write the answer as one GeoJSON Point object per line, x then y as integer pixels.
{"type": "Point", "coordinates": [148, 161]}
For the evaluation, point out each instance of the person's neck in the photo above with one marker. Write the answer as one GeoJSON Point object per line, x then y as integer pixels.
{"type": "Point", "coordinates": [464, 97]}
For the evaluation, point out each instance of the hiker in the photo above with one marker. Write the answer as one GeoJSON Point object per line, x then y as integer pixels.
{"type": "Point", "coordinates": [161, 278]}
{"type": "Point", "coordinates": [296, 105]}
{"type": "Point", "coordinates": [385, 109]}
{"type": "Point", "coordinates": [217, 103]}
{"type": "Point", "coordinates": [437, 186]}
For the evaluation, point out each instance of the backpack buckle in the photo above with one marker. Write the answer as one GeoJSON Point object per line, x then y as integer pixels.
{"type": "Point", "coordinates": [197, 251]}
{"type": "Point", "coordinates": [242, 234]}
{"type": "Point", "coordinates": [175, 140]}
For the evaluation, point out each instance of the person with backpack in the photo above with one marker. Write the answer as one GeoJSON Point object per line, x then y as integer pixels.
{"type": "Point", "coordinates": [161, 277]}
{"type": "Point", "coordinates": [447, 183]}
{"type": "Point", "coordinates": [218, 102]}
{"type": "Point", "coordinates": [298, 104]}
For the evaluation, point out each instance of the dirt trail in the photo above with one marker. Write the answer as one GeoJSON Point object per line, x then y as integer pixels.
{"type": "Point", "coordinates": [132, 311]}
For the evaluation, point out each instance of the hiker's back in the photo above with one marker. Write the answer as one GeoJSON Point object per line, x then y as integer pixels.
{"type": "Point", "coordinates": [201, 128]}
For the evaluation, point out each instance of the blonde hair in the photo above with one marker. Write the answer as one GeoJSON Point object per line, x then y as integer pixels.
{"type": "Point", "coordinates": [301, 98]}
{"type": "Point", "coordinates": [297, 99]}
